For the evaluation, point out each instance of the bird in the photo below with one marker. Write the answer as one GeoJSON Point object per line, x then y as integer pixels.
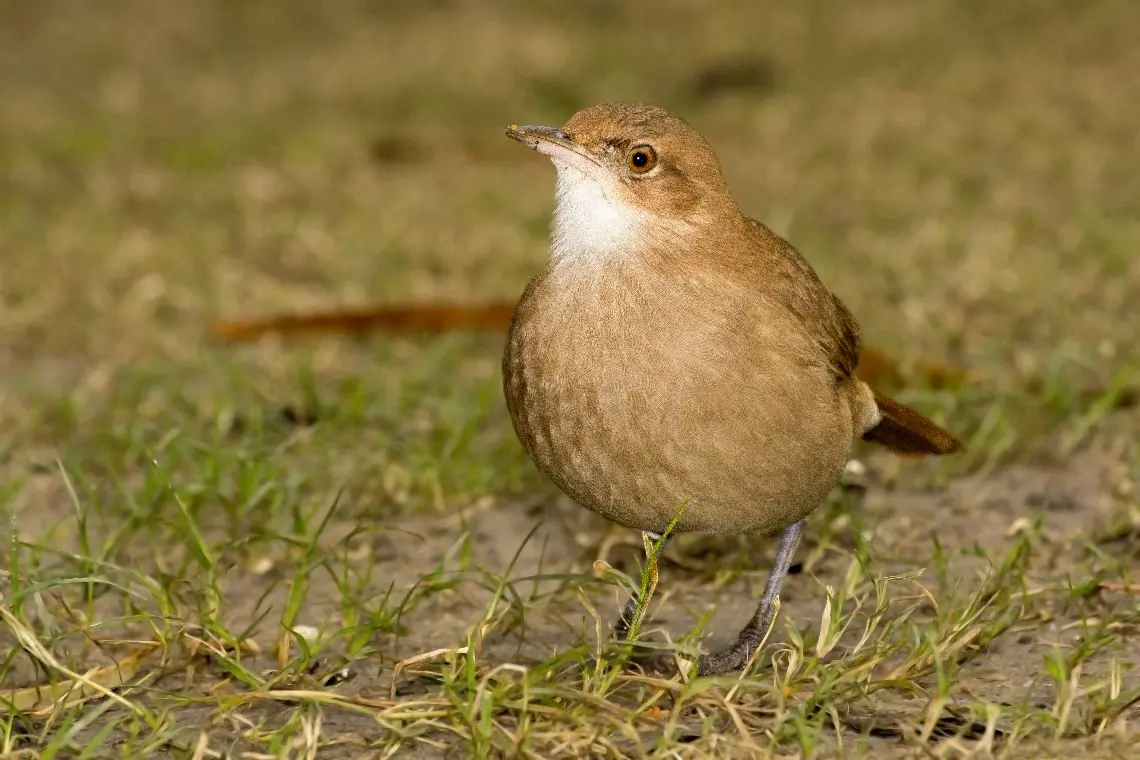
{"type": "Point", "coordinates": [678, 367]}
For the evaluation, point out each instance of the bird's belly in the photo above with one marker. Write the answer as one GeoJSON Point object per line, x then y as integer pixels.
{"type": "Point", "coordinates": [640, 443]}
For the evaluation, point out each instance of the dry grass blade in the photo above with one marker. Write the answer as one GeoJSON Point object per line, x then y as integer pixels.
{"type": "Point", "coordinates": [447, 653]}
{"type": "Point", "coordinates": [44, 700]}
{"type": "Point", "coordinates": [77, 688]}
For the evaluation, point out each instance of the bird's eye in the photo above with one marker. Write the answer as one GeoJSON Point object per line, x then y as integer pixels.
{"type": "Point", "coordinates": [642, 158]}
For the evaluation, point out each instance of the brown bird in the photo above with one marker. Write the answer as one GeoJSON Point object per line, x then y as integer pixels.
{"type": "Point", "coordinates": [675, 352]}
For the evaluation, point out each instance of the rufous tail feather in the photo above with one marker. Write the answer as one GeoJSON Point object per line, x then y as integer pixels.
{"type": "Point", "coordinates": [905, 431]}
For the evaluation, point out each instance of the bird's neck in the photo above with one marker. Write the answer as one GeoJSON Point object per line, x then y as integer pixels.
{"type": "Point", "coordinates": [592, 228]}
{"type": "Point", "coordinates": [597, 233]}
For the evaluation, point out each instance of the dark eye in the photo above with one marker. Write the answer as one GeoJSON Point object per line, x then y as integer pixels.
{"type": "Point", "coordinates": [642, 158]}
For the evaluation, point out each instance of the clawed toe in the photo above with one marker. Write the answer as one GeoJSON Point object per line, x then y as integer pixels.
{"type": "Point", "coordinates": [650, 657]}
{"type": "Point", "coordinates": [644, 655]}
{"type": "Point", "coordinates": [724, 662]}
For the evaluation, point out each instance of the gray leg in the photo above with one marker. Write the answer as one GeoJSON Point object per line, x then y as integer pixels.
{"type": "Point", "coordinates": [734, 657]}
{"type": "Point", "coordinates": [621, 628]}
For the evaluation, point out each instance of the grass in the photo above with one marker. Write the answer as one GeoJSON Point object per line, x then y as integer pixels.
{"type": "Point", "coordinates": [337, 548]}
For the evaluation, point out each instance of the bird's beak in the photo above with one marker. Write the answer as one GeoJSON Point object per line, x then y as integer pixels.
{"type": "Point", "coordinates": [553, 142]}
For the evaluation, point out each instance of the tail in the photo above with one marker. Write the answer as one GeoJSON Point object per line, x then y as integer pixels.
{"type": "Point", "coordinates": [905, 431]}
{"type": "Point", "coordinates": [494, 317]}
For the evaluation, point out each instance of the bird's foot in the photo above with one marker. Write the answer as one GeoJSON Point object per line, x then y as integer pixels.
{"type": "Point", "coordinates": [735, 657]}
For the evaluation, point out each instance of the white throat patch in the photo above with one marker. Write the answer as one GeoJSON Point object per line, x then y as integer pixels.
{"type": "Point", "coordinates": [588, 225]}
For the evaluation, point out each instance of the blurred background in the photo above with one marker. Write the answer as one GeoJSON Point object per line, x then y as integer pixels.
{"type": "Point", "coordinates": [963, 174]}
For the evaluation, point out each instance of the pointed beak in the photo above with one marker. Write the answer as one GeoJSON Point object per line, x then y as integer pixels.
{"type": "Point", "coordinates": [553, 142]}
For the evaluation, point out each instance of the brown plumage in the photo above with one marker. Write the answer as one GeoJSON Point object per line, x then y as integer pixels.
{"type": "Point", "coordinates": [674, 351]}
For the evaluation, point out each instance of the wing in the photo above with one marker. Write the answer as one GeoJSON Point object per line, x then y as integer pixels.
{"type": "Point", "coordinates": [792, 281]}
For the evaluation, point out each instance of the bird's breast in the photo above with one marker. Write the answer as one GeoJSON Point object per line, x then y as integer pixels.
{"type": "Point", "coordinates": [636, 405]}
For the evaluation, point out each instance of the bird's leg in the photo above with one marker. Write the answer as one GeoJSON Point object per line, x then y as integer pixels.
{"type": "Point", "coordinates": [734, 657]}
{"type": "Point", "coordinates": [634, 611]}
